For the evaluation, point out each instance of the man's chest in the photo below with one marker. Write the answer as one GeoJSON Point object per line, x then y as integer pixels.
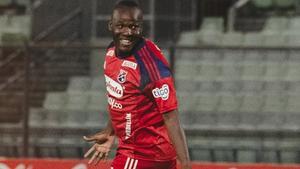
{"type": "Point", "coordinates": [121, 76]}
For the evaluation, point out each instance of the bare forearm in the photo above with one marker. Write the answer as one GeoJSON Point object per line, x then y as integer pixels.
{"type": "Point", "coordinates": [177, 136]}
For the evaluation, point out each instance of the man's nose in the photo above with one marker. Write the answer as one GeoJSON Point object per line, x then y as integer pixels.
{"type": "Point", "coordinates": [128, 31]}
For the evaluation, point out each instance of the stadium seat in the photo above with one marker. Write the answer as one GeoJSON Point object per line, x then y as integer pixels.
{"type": "Point", "coordinates": [294, 25]}
{"type": "Point", "coordinates": [263, 3]}
{"type": "Point", "coordinates": [293, 105]}
{"type": "Point", "coordinates": [209, 37]}
{"type": "Point", "coordinates": [247, 150]}
{"type": "Point", "coordinates": [77, 101]}
{"type": "Point", "coordinates": [251, 103]}
{"type": "Point", "coordinates": [207, 102]}
{"type": "Point", "coordinates": [227, 116]}
{"type": "Point", "coordinates": [232, 55]}
{"type": "Point", "coordinates": [36, 117]}
{"type": "Point", "coordinates": [276, 24]}
{"type": "Point", "coordinates": [4, 2]}
{"type": "Point", "coordinates": [213, 24]}
{"type": "Point", "coordinates": [231, 86]}
{"type": "Point", "coordinates": [230, 71]}
{"type": "Point", "coordinates": [252, 86]}
{"type": "Point", "coordinates": [289, 150]}
{"type": "Point", "coordinates": [208, 86]}
{"type": "Point", "coordinates": [55, 100]}
{"type": "Point", "coordinates": [232, 39]}
{"type": "Point", "coordinates": [97, 101]}
{"type": "Point", "coordinates": [293, 87]}
{"type": "Point", "coordinates": [210, 55]}
{"type": "Point", "coordinates": [229, 103]}
{"type": "Point", "coordinates": [188, 39]}
{"type": "Point", "coordinates": [186, 85]}
{"type": "Point", "coordinates": [275, 87]}
{"type": "Point", "coordinates": [292, 120]}
{"type": "Point", "coordinates": [223, 149]}
{"type": "Point", "coordinates": [186, 70]}
{"type": "Point", "coordinates": [285, 3]}
{"type": "Point", "coordinates": [293, 71]}
{"type": "Point", "coordinates": [97, 84]}
{"type": "Point", "coordinates": [252, 71]}
{"type": "Point", "coordinates": [274, 39]}
{"type": "Point", "coordinates": [79, 84]}
{"type": "Point", "coordinates": [187, 101]}
{"type": "Point", "coordinates": [208, 71]}
{"type": "Point", "coordinates": [275, 71]}
{"type": "Point", "coordinates": [253, 39]}
{"type": "Point", "coordinates": [293, 40]}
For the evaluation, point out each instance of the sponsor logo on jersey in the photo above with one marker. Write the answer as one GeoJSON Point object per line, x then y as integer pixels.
{"type": "Point", "coordinates": [129, 64]}
{"type": "Point", "coordinates": [128, 125]}
{"type": "Point", "coordinates": [114, 104]}
{"type": "Point", "coordinates": [113, 87]}
{"type": "Point", "coordinates": [162, 92]}
{"type": "Point", "coordinates": [110, 53]}
{"type": "Point", "coordinates": [122, 76]}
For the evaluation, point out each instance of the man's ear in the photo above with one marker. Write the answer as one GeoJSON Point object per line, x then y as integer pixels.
{"type": "Point", "coordinates": [109, 25]}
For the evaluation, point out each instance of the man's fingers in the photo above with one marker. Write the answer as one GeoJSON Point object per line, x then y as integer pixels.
{"type": "Point", "coordinates": [99, 157]}
{"type": "Point", "coordinates": [89, 138]}
{"type": "Point", "coordinates": [93, 157]}
{"type": "Point", "coordinates": [89, 151]}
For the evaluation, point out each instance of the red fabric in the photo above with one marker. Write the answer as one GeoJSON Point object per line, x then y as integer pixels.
{"type": "Point", "coordinates": [123, 162]}
{"type": "Point", "coordinates": [82, 164]}
{"type": "Point", "coordinates": [135, 111]}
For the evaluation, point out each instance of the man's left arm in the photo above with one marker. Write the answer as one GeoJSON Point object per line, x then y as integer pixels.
{"type": "Point", "coordinates": [177, 137]}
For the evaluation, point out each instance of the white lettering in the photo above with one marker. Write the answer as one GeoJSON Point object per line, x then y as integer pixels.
{"type": "Point", "coordinates": [129, 64]}
{"type": "Point", "coordinates": [114, 104]}
{"type": "Point", "coordinates": [162, 92]}
{"type": "Point", "coordinates": [128, 125]}
{"type": "Point", "coordinates": [113, 87]}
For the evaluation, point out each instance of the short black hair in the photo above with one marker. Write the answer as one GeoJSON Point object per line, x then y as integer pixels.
{"type": "Point", "coordinates": [127, 3]}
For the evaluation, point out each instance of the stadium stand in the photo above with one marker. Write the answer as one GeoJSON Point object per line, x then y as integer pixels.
{"type": "Point", "coordinates": [238, 92]}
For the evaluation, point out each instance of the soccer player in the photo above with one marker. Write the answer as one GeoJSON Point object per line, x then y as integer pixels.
{"type": "Point", "coordinates": [142, 101]}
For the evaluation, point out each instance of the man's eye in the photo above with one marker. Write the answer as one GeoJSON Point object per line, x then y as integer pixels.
{"type": "Point", "coordinates": [119, 26]}
{"type": "Point", "coordinates": [134, 26]}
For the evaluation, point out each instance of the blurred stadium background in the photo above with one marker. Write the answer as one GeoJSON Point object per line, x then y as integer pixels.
{"type": "Point", "coordinates": [236, 65]}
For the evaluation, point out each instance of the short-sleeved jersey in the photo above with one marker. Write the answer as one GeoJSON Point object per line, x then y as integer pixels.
{"type": "Point", "coordinates": [140, 88]}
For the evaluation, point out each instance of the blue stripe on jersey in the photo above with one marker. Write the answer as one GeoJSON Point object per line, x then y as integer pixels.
{"type": "Point", "coordinates": [145, 79]}
{"type": "Point", "coordinates": [163, 69]}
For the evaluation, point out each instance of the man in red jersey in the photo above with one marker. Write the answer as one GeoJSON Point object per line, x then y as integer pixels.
{"type": "Point", "coordinates": [142, 100]}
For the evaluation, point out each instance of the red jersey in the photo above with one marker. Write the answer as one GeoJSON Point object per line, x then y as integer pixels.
{"type": "Point", "coordinates": [140, 88]}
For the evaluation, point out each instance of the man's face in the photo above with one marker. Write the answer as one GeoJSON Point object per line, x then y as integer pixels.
{"type": "Point", "coordinates": [126, 28]}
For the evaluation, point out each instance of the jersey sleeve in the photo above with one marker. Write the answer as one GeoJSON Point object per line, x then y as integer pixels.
{"type": "Point", "coordinates": [161, 88]}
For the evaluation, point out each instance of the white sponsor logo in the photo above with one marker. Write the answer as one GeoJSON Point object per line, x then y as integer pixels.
{"type": "Point", "coordinates": [128, 125]}
{"type": "Point", "coordinates": [113, 87]}
{"type": "Point", "coordinates": [114, 104]}
{"type": "Point", "coordinates": [162, 92]}
{"type": "Point", "coordinates": [110, 53]}
{"type": "Point", "coordinates": [129, 64]}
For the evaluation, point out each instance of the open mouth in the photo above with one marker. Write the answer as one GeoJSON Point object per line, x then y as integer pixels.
{"type": "Point", "coordinates": [126, 42]}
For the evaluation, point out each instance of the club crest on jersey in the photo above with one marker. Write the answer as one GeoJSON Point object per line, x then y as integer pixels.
{"type": "Point", "coordinates": [129, 64]}
{"type": "Point", "coordinates": [162, 92]}
{"type": "Point", "coordinates": [122, 76]}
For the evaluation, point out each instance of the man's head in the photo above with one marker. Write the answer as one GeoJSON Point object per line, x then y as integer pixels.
{"type": "Point", "coordinates": [126, 25]}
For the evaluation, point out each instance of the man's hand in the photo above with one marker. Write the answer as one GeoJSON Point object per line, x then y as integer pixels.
{"type": "Point", "coordinates": [102, 144]}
